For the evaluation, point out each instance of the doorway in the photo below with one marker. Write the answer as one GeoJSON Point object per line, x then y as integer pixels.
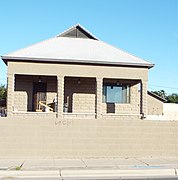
{"type": "Point", "coordinates": [39, 95]}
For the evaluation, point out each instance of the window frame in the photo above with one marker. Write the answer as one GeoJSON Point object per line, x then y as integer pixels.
{"type": "Point", "coordinates": [127, 96]}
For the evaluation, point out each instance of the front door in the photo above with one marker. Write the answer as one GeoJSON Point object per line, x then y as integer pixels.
{"type": "Point", "coordinates": [39, 94]}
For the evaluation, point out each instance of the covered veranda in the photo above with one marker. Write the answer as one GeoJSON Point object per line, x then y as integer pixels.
{"type": "Point", "coordinates": [75, 97]}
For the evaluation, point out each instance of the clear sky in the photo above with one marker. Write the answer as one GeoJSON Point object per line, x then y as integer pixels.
{"type": "Point", "coordinates": [145, 28]}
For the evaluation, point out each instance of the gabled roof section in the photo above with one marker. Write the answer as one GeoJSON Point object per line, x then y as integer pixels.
{"type": "Point", "coordinates": [77, 31]}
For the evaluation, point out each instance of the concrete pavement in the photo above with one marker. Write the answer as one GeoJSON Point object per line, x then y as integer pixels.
{"type": "Point", "coordinates": [88, 168]}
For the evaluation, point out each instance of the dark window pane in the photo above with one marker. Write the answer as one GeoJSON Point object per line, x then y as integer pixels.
{"type": "Point", "coordinates": [116, 94]}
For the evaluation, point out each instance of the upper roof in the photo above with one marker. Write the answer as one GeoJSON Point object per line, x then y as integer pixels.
{"type": "Point", "coordinates": [76, 45]}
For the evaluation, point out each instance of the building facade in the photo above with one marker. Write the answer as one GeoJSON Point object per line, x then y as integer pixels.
{"type": "Point", "coordinates": [76, 75]}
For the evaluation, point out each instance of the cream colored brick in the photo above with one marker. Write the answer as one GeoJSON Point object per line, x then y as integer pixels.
{"type": "Point", "coordinates": [87, 138]}
{"type": "Point", "coordinates": [155, 107]}
{"type": "Point", "coordinates": [80, 97]}
{"type": "Point", "coordinates": [20, 102]}
{"type": "Point", "coordinates": [10, 94]}
{"type": "Point", "coordinates": [79, 71]}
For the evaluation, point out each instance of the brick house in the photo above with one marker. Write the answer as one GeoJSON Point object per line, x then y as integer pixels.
{"type": "Point", "coordinates": [76, 96]}
{"type": "Point", "coordinates": [76, 75]}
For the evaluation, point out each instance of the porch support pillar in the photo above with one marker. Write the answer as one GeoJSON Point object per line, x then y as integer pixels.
{"type": "Point", "coordinates": [144, 106]}
{"type": "Point", "coordinates": [60, 96]}
{"type": "Point", "coordinates": [10, 94]}
{"type": "Point", "coordinates": [99, 88]}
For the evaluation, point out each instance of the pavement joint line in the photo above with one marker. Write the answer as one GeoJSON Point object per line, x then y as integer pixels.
{"type": "Point", "coordinates": [84, 162]}
{"type": "Point", "coordinates": [142, 162]}
{"type": "Point", "coordinates": [60, 172]}
{"type": "Point", "coordinates": [115, 164]}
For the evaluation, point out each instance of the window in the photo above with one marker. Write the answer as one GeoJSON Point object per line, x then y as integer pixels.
{"type": "Point", "coordinates": [116, 93]}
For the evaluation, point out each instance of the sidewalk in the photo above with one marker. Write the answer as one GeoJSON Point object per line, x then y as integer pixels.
{"type": "Point", "coordinates": [88, 168]}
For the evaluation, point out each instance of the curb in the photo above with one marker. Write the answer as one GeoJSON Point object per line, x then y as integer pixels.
{"type": "Point", "coordinates": [29, 174]}
{"type": "Point", "coordinates": [115, 173]}
{"type": "Point", "coordinates": [65, 174]}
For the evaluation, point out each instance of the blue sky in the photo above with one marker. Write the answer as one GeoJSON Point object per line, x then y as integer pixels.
{"type": "Point", "coordinates": [145, 28]}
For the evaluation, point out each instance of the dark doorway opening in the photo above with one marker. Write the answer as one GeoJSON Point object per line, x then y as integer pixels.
{"type": "Point", "coordinates": [39, 95]}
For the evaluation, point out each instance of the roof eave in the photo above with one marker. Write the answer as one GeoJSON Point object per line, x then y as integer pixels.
{"type": "Point", "coordinates": [7, 58]}
{"type": "Point", "coordinates": [4, 59]}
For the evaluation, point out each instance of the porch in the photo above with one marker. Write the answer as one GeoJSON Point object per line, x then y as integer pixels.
{"type": "Point", "coordinates": [74, 97]}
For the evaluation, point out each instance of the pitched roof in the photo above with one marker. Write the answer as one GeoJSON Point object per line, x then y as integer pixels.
{"type": "Point", "coordinates": [76, 45]}
{"type": "Point", "coordinates": [156, 96]}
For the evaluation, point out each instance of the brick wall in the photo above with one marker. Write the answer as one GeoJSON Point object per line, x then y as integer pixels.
{"type": "Point", "coordinates": [79, 94]}
{"type": "Point", "coordinates": [111, 137]}
{"type": "Point", "coordinates": [155, 106]}
{"type": "Point", "coordinates": [20, 101]}
{"type": "Point", "coordinates": [83, 103]}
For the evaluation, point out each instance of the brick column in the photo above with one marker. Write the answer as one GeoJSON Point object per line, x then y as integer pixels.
{"type": "Point", "coordinates": [10, 94]}
{"type": "Point", "coordinates": [99, 89]}
{"type": "Point", "coordinates": [144, 107]}
{"type": "Point", "coordinates": [60, 96]}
